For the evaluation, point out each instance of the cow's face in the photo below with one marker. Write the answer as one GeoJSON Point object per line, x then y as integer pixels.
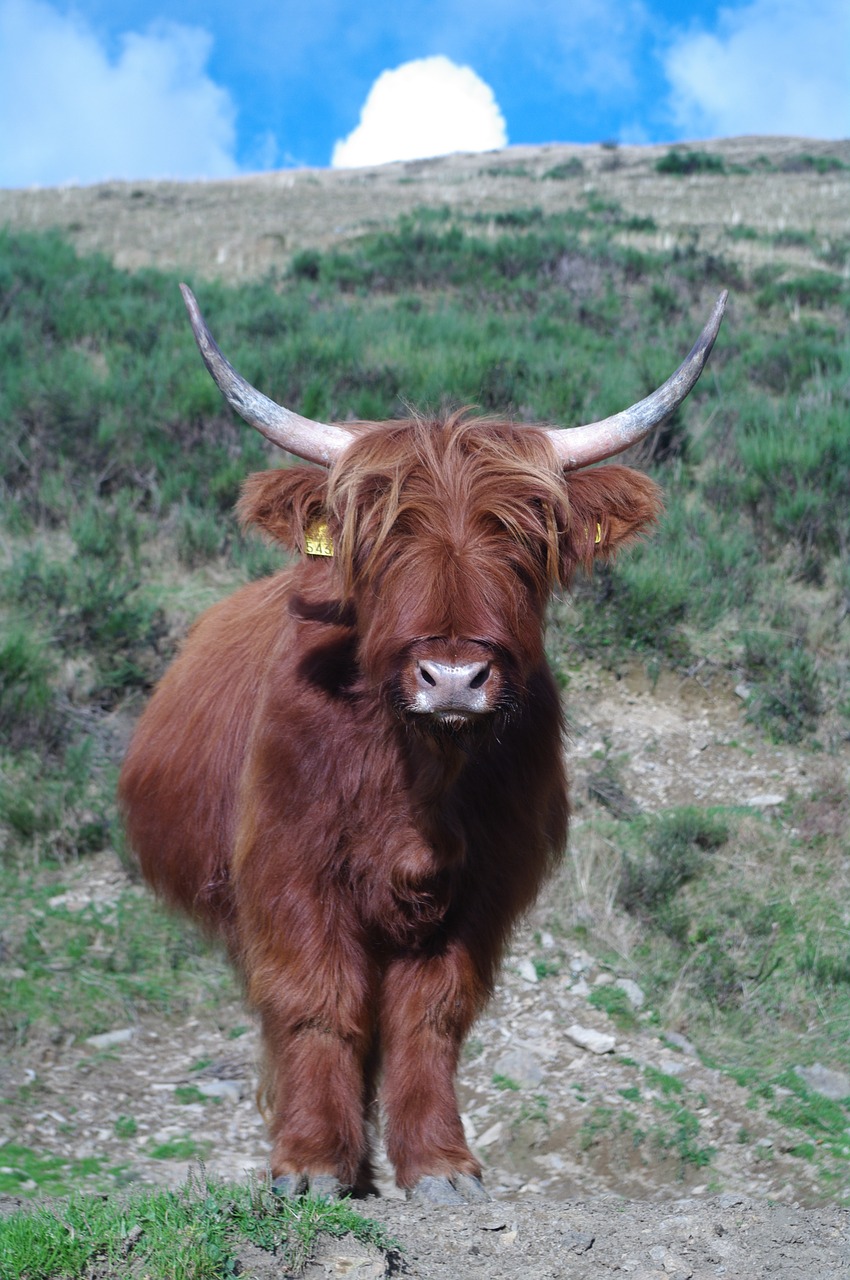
{"type": "Point", "coordinates": [449, 538]}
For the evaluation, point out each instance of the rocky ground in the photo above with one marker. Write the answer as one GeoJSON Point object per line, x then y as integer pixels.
{"type": "Point", "coordinates": [678, 1239]}
{"type": "Point", "coordinates": [604, 1150]}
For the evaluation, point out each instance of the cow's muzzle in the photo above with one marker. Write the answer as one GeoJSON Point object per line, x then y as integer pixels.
{"type": "Point", "coordinates": [452, 690]}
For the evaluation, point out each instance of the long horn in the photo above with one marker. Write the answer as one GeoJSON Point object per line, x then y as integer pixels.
{"type": "Point", "coordinates": [579, 446]}
{"type": "Point", "coordinates": [320, 442]}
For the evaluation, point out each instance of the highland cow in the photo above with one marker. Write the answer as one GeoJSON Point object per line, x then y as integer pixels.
{"type": "Point", "coordinates": [353, 772]}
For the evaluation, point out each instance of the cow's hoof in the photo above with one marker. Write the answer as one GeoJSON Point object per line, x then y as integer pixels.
{"type": "Point", "coordinates": [326, 1186]}
{"type": "Point", "coordinates": [472, 1189]}
{"type": "Point", "coordinates": [462, 1189]}
{"type": "Point", "coordinates": [323, 1185]}
{"type": "Point", "coordinates": [290, 1185]}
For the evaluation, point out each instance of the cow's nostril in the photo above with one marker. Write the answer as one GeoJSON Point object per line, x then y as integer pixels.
{"type": "Point", "coordinates": [481, 677]}
{"type": "Point", "coordinates": [427, 677]}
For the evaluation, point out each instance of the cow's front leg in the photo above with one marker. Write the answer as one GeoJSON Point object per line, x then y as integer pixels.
{"type": "Point", "coordinates": [428, 1004]}
{"type": "Point", "coordinates": [316, 1001]}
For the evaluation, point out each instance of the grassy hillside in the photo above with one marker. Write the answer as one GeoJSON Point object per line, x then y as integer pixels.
{"type": "Point", "coordinates": [121, 468]}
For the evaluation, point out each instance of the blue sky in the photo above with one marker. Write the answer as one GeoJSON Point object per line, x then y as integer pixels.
{"type": "Point", "coordinates": [100, 89]}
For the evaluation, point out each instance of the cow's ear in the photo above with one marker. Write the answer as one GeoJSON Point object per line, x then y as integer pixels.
{"type": "Point", "coordinates": [607, 507]}
{"type": "Point", "coordinates": [287, 504]}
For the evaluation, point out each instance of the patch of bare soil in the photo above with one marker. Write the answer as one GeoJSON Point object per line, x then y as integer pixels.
{"type": "Point", "coordinates": [682, 740]}
{"type": "Point", "coordinates": [247, 227]}
{"type": "Point", "coordinates": [681, 1239]}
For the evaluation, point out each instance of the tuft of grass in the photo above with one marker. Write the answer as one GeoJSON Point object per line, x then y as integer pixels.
{"type": "Point", "coordinates": [666, 1084]}
{"type": "Point", "coordinates": [195, 1233]}
{"type": "Point", "coordinates": [819, 290]}
{"type": "Point", "coordinates": [614, 1001]}
{"type": "Point", "coordinates": [125, 1127]}
{"type": "Point", "coordinates": [594, 1127]}
{"type": "Point", "coordinates": [181, 1148]}
{"type": "Point", "coordinates": [505, 1082]}
{"type": "Point", "coordinates": [681, 1136]}
{"type": "Point", "coordinates": [187, 1094]}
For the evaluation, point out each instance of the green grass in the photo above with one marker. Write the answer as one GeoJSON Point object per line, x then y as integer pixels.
{"type": "Point", "coordinates": [190, 1093]}
{"type": "Point", "coordinates": [192, 1234]}
{"type": "Point", "coordinates": [24, 1169]}
{"type": "Point", "coordinates": [182, 1148]}
{"type": "Point", "coordinates": [83, 970]}
{"type": "Point", "coordinates": [734, 925]}
{"type": "Point", "coordinates": [680, 1136]}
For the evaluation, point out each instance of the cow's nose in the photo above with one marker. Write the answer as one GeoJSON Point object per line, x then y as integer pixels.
{"type": "Point", "coordinates": [452, 686]}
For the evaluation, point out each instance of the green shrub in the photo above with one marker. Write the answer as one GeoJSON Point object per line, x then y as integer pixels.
{"type": "Point", "coordinates": [199, 536]}
{"type": "Point", "coordinates": [26, 695]}
{"type": "Point", "coordinates": [676, 849]}
{"type": "Point", "coordinates": [571, 168]}
{"type": "Point", "coordinates": [818, 164]}
{"type": "Point", "coordinates": [786, 695]}
{"type": "Point", "coordinates": [306, 265]}
{"type": "Point", "coordinates": [818, 290]}
{"type": "Point", "coordinates": [688, 162]}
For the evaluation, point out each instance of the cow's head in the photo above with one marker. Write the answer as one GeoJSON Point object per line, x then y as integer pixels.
{"type": "Point", "coordinates": [448, 535]}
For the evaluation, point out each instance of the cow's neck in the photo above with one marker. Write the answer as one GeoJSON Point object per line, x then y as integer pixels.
{"type": "Point", "coordinates": [435, 765]}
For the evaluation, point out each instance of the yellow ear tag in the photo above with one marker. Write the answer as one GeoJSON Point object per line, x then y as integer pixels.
{"type": "Point", "coordinates": [317, 540]}
{"type": "Point", "coordinates": [598, 537]}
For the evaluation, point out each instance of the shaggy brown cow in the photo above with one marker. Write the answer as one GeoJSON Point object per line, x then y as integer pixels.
{"type": "Point", "coordinates": [354, 770]}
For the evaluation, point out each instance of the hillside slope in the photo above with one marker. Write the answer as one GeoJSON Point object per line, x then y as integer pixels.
{"type": "Point", "coordinates": [700, 918]}
{"type": "Point", "coordinates": [244, 228]}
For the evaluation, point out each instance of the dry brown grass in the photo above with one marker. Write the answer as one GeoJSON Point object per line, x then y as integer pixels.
{"type": "Point", "coordinates": [244, 228]}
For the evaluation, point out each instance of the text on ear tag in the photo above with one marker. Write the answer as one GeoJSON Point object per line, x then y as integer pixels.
{"type": "Point", "coordinates": [317, 540]}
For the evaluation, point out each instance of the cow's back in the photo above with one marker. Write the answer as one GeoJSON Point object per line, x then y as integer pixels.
{"type": "Point", "coordinates": [179, 784]}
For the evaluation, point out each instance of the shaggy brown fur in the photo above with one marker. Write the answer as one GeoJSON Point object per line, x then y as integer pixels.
{"type": "Point", "coordinates": [365, 864]}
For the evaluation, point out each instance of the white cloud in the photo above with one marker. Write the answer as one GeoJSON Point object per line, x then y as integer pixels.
{"type": "Point", "coordinates": [70, 113]}
{"type": "Point", "coordinates": [429, 107]}
{"type": "Point", "coordinates": [771, 67]}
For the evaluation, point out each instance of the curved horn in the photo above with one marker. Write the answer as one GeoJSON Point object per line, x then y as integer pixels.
{"type": "Point", "coordinates": [320, 442]}
{"type": "Point", "coordinates": [579, 446]}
